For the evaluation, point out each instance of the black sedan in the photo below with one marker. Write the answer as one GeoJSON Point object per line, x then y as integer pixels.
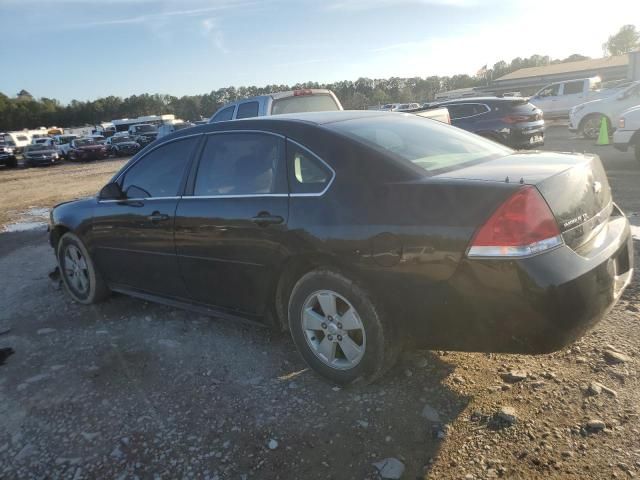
{"type": "Point", "coordinates": [360, 232]}
{"type": "Point", "coordinates": [512, 121]}
{"type": "Point", "coordinates": [39, 154]}
{"type": "Point", "coordinates": [122, 145]}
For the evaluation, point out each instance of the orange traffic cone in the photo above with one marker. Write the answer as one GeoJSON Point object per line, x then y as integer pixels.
{"type": "Point", "coordinates": [603, 137]}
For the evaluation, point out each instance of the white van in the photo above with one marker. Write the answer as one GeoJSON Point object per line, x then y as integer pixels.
{"type": "Point", "coordinates": [557, 99]}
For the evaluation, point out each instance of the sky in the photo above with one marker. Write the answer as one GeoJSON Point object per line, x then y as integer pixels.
{"type": "Point", "coordinates": [85, 49]}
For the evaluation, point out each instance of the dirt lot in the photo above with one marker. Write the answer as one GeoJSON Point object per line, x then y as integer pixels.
{"type": "Point", "coordinates": [23, 189]}
{"type": "Point", "coordinates": [128, 389]}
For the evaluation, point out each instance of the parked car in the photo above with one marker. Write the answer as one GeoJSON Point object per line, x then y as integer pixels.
{"type": "Point", "coordinates": [400, 107]}
{"type": "Point", "coordinates": [301, 221]}
{"type": "Point", "coordinates": [586, 117]}
{"type": "Point", "coordinates": [295, 101]}
{"type": "Point", "coordinates": [122, 145]}
{"type": "Point", "coordinates": [557, 99]}
{"type": "Point", "coordinates": [144, 133]}
{"type": "Point", "coordinates": [42, 141]}
{"type": "Point", "coordinates": [168, 128]}
{"type": "Point", "coordinates": [511, 121]}
{"type": "Point", "coordinates": [63, 144]}
{"type": "Point", "coordinates": [99, 139]}
{"type": "Point", "coordinates": [627, 135]}
{"type": "Point", "coordinates": [85, 149]}
{"type": "Point", "coordinates": [40, 154]}
{"type": "Point", "coordinates": [7, 155]}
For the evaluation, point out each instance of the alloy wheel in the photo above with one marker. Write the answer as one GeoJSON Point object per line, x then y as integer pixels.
{"type": "Point", "coordinates": [591, 127]}
{"type": "Point", "coordinates": [75, 269]}
{"type": "Point", "coordinates": [333, 329]}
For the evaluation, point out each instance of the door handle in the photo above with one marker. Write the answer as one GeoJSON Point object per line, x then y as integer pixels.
{"type": "Point", "coordinates": [265, 218]}
{"type": "Point", "coordinates": [156, 217]}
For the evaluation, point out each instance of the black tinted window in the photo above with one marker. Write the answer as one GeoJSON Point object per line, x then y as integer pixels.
{"type": "Point", "coordinates": [573, 87]}
{"type": "Point", "coordinates": [159, 173]}
{"type": "Point", "coordinates": [462, 110]}
{"type": "Point", "coordinates": [241, 164]}
{"type": "Point", "coordinates": [247, 110]}
{"type": "Point", "coordinates": [226, 114]}
{"type": "Point", "coordinates": [307, 173]}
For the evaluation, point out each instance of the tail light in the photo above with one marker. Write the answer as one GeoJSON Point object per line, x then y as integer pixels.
{"type": "Point", "coordinates": [621, 122]}
{"type": "Point", "coordinates": [523, 225]}
{"type": "Point", "coordinates": [515, 118]}
{"type": "Point", "coordinates": [299, 93]}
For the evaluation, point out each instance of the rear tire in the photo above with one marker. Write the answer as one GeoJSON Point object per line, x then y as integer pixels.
{"type": "Point", "coordinates": [81, 279]}
{"type": "Point", "coordinates": [12, 163]}
{"type": "Point", "coordinates": [339, 331]}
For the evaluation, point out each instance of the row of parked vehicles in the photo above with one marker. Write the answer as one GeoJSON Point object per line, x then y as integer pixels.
{"type": "Point", "coordinates": [52, 149]}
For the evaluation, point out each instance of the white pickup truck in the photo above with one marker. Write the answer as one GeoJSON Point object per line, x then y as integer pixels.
{"type": "Point", "coordinates": [628, 132]}
{"type": "Point", "coordinates": [557, 99]}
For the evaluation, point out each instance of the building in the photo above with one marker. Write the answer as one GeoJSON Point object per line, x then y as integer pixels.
{"type": "Point", "coordinates": [529, 80]}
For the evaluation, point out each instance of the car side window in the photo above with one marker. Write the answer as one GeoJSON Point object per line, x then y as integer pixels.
{"type": "Point", "coordinates": [571, 88]}
{"type": "Point", "coordinates": [307, 173]}
{"type": "Point", "coordinates": [241, 164]}
{"type": "Point", "coordinates": [223, 115]}
{"type": "Point", "coordinates": [550, 91]}
{"type": "Point", "coordinates": [247, 110]}
{"type": "Point", "coordinates": [159, 173]}
{"type": "Point", "coordinates": [462, 110]}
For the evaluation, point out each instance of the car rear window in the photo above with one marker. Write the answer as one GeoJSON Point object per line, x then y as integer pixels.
{"type": "Point", "coordinates": [304, 103]}
{"type": "Point", "coordinates": [432, 146]}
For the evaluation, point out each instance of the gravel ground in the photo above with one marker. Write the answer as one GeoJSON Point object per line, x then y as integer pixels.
{"type": "Point", "coordinates": [129, 389]}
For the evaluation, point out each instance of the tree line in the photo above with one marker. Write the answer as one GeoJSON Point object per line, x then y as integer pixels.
{"type": "Point", "coordinates": [25, 111]}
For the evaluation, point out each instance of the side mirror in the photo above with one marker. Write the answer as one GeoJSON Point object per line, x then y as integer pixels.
{"type": "Point", "coordinates": [111, 191]}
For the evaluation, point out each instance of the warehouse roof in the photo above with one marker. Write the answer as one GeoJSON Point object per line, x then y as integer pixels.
{"type": "Point", "coordinates": [569, 67]}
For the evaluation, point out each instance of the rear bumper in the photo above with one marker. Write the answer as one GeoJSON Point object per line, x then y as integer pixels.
{"type": "Point", "coordinates": [529, 136]}
{"type": "Point", "coordinates": [531, 305]}
{"type": "Point", "coordinates": [622, 139]}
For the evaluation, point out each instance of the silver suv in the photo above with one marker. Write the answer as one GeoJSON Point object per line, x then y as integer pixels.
{"type": "Point", "coordinates": [294, 101]}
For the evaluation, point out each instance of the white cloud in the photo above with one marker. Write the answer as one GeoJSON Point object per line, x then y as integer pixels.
{"type": "Point", "coordinates": [213, 32]}
{"type": "Point", "coordinates": [357, 5]}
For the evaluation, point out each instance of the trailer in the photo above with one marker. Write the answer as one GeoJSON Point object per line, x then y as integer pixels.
{"type": "Point", "coordinates": [123, 124]}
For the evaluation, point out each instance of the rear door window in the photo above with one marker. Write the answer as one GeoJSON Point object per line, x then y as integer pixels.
{"type": "Point", "coordinates": [241, 164]}
{"type": "Point", "coordinates": [247, 110]}
{"type": "Point", "coordinates": [572, 88]}
{"type": "Point", "coordinates": [462, 110]}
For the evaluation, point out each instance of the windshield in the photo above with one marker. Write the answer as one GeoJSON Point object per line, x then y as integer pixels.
{"type": "Point", "coordinates": [121, 139]}
{"type": "Point", "coordinates": [304, 103]}
{"type": "Point", "coordinates": [37, 147]}
{"type": "Point", "coordinates": [145, 128]}
{"type": "Point", "coordinates": [432, 146]}
{"type": "Point", "coordinates": [84, 142]}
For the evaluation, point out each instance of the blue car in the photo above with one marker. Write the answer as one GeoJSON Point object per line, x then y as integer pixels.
{"type": "Point", "coordinates": [512, 121]}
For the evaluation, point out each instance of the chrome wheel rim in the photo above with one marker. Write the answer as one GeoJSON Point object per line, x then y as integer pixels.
{"type": "Point", "coordinates": [591, 128]}
{"type": "Point", "coordinates": [75, 269]}
{"type": "Point", "coordinates": [333, 330]}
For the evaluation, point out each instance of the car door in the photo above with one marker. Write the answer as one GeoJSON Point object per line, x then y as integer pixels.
{"type": "Point", "coordinates": [132, 238]}
{"type": "Point", "coordinates": [571, 94]}
{"type": "Point", "coordinates": [547, 99]}
{"type": "Point", "coordinates": [231, 230]}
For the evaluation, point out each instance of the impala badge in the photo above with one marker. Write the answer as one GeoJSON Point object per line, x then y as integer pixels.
{"type": "Point", "coordinates": [597, 187]}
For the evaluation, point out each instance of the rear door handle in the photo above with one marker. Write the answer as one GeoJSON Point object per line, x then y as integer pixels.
{"type": "Point", "coordinates": [265, 218]}
{"type": "Point", "coordinates": [156, 217]}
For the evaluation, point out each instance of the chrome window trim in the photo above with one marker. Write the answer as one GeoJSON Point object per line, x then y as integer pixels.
{"type": "Point", "coordinates": [333, 174]}
{"type": "Point", "coordinates": [246, 130]}
{"type": "Point", "coordinates": [253, 195]}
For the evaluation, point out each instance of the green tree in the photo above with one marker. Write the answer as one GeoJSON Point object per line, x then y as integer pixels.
{"type": "Point", "coordinates": [626, 40]}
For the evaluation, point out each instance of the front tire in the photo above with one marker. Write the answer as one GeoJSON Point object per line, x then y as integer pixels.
{"type": "Point", "coordinates": [338, 329]}
{"type": "Point", "coordinates": [590, 126]}
{"type": "Point", "coordinates": [80, 277]}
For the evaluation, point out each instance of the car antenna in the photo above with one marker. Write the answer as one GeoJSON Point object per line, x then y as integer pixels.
{"type": "Point", "coordinates": [506, 180]}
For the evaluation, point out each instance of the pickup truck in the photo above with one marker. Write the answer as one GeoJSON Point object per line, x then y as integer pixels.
{"type": "Point", "coordinates": [294, 101]}
{"type": "Point", "coordinates": [628, 132]}
{"type": "Point", "coordinates": [557, 99]}
{"type": "Point", "coordinates": [586, 117]}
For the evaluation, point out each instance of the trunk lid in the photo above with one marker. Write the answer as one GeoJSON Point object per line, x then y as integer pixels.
{"type": "Point", "coordinates": [575, 187]}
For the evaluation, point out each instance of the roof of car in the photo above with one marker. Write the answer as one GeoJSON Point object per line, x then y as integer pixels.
{"type": "Point", "coordinates": [321, 118]}
{"type": "Point", "coordinates": [479, 99]}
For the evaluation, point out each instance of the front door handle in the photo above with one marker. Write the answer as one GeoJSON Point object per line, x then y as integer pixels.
{"type": "Point", "coordinates": [156, 217]}
{"type": "Point", "coordinates": [265, 218]}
